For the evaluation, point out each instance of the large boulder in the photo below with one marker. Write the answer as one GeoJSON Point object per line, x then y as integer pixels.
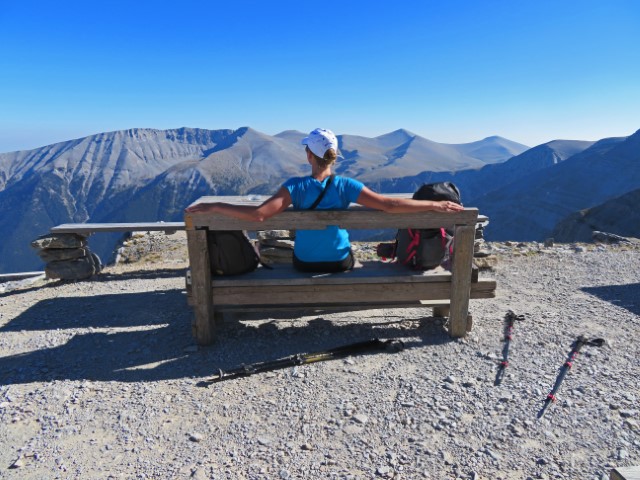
{"type": "Point", "coordinates": [56, 254]}
{"type": "Point", "coordinates": [78, 269]}
{"type": "Point", "coordinates": [276, 246]}
{"type": "Point", "coordinates": [67, 256]}
{"type": "Point", "coordinates": [59, 240]}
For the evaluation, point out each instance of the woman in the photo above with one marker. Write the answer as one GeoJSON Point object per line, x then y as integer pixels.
{"type": "Point", "coordinates": [335, 254]}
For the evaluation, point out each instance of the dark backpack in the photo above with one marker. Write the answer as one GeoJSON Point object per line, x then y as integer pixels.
{"type": "Point", "coordinates": [424, 249]}
{"type": "Point", "coordinates": [231, 253]}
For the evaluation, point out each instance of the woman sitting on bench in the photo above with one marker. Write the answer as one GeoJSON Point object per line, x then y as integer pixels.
{"type": "Point", "coordinates": [326, 250]}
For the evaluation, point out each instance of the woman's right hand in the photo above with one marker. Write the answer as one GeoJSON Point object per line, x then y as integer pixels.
{"type": "Point", "coordinates": [200, 208]}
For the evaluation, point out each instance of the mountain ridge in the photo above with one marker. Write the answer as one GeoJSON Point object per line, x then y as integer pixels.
{"type": "Point", "coordinates": [538, 201]}
{"type": "Point", "coordinates": [149, 175]}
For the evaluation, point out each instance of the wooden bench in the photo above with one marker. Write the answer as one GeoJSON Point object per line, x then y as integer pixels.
{"type": "Point", "coordinates": [373, 285]}
{"type": "Point", "coordinates": [90, 228]}
{"type": "Point", "coordinates": [82, 263]}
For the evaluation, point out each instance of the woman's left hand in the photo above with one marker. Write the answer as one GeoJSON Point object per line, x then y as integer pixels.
{"type": "Point", "coordinates": [449, 207]}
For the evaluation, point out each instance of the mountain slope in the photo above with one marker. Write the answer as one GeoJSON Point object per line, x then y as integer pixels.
{"type": "Point", "coordinates": [400, 154]}
{"type": "Point", "coordinates": [82, 180]}
{"type": "Point", "coordinates": [478, 182]}
{"type": "Point", "coordinates": [144, 174]}
{"type": "Point", "coordinates": [620, 216]}
{"type": "Point", "coordinates": [492, 149]}
{"type": "Point", "coordinates": [529, 208]}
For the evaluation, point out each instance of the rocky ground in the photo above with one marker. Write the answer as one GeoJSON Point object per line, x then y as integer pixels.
{"type": "Point", "coordinates": [101, 379]}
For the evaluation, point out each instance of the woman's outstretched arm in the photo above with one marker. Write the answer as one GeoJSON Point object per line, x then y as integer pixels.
{"type": "Point", "coordinates": [374, 200]}
{"type": "Point", "coordinates": [258, 213]}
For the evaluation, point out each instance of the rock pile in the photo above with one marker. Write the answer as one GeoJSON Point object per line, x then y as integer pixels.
{"type": "Point", "coordinates": [67, 256]}
{"type": "Point", "coordinates": [276, 246]}
{"type": "Point", "coordinates": [482, 257]}
{"type": "Point", "coordinates": [608, 238]}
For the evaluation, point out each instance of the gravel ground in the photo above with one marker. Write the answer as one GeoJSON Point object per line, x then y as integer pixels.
{"type": "Point", "coordinates": [100, 379]}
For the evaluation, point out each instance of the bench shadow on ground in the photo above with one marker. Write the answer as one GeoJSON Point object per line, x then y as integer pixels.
{"type": "Point", "coordinates": [623, 296]}
{"type": "Point", "coordinates": [146, 337]}
{"type": "Point", "coordinates": [107, 277]}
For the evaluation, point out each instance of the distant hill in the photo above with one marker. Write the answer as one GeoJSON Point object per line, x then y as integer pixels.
{"type": "Point", "coordinates": [148, 175]}
{"type": "Point", "coordinates": [620, 216]}
{"type": "Point", "coordinates": [475, 183]}
{"type": "Point", "coordinates": [492, 149]}
{"type": "Point", "coordinates": [529, 208]}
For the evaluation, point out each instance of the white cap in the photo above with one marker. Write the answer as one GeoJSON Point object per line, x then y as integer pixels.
{"type": "Point", "coordinates": [321, 140]}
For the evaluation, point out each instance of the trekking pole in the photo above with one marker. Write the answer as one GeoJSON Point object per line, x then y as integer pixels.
{"type": "Point", "coordinates": [510, 317]}
{"type": "Point", "coordinates": [577, 345]}
{"type": "Point", "coordinates": [375, 344]}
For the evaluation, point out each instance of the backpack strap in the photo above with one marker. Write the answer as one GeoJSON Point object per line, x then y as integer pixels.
{"type": "Point", "coordinates": [324, 190]}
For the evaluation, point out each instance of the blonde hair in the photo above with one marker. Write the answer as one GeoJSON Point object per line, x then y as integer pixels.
{"type": "Point", "coordinates": [329, 158]}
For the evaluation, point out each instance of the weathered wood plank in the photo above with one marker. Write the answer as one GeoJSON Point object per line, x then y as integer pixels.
{"type": "Point", "coordinates": [259, 199]}
{"type": "Point", "coordinates": [85, 228]}
{"type": "Point", "coordinates": [461, 281]}
{"type": "Point", "coordinates": [201, 292]}
{"type": "Point", "coordinates": [354, 218]}
{"type": "Point", "coordinates": [380, 293]}
{"type": "Point", "coordinates": [331, 306]}
{"type": "Point", "coordinates": [312, 294]}
{"type": "Point", "coordinates": [370, 272]}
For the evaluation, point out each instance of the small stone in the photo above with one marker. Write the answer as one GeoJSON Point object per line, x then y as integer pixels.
{"type": "Point", "coordinates": [361, 418]}
{"type": "Point", "coordinates": [628, 413]}
{"type": "Point", "coordinates": [196, 437]}
{"type": "Point", "coordinates": [284, 474]}
{"type": "Point", "coordinates": [199, 474]}
{"type": "Point", "coordinates": [383, 471]}
{"type": "Point", "coordinates": [631, 424]}
{"type": "Point", "coordinates": [264, 441]}
{"type": "Point", "coordinates": [492, 454]}
{"type": "Point", "coordinates": [450, 379]}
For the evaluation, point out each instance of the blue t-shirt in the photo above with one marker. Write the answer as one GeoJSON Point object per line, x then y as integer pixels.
{"type": "Point", "coordinates": [331, 244]}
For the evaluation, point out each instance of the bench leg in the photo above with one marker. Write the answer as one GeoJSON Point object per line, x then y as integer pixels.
{"type": "Point", "coordinates": [202, 299]}
{"type": "Point", "coordinates": [461, 280]}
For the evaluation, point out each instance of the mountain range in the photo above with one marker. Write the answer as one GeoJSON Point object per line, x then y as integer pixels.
{"type": "Point", "coordinates": [149, 175]}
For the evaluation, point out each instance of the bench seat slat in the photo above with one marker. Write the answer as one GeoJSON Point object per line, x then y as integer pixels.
{"type": "Point", "coordinates": [345, 294]}
{"type": "Point", "coordinates": [332, 306]}
{"type": "Point", "coordinates": [370, 272]}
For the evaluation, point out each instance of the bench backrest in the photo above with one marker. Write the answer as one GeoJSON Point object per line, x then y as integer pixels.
{"type": "Point", "coordinates": [356, 217]}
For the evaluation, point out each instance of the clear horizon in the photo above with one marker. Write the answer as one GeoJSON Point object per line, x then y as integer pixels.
{"type": "Point", "coordinates": [452, 72]}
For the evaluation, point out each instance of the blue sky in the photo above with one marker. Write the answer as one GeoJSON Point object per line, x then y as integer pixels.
{"type": "Point", "coordinates": [452, 71]}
